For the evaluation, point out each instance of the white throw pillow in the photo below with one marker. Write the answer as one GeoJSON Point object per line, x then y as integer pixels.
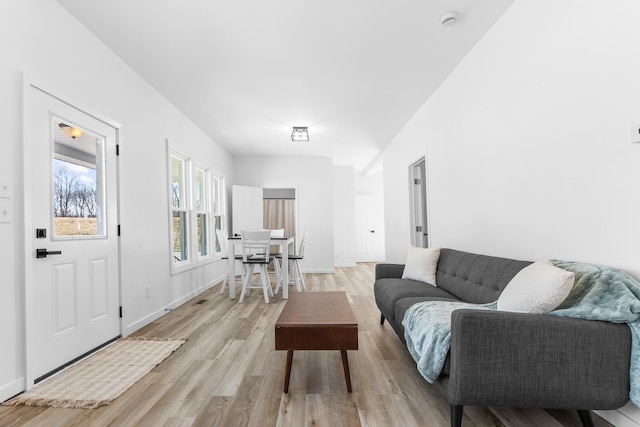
{"type": "Point", "coordinates": [538, 288]}
{"type": "Point", "coordinates": [422, 264]}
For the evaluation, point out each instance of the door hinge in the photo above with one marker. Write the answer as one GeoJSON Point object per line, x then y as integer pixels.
{"type": "Point", "coordinates": [121, 312]}
{"type": "Point", "coordinates": [419, 228]}
{"type": "Point", "coordinates": [416, 181]}
{"type": "Point", "coordinates": [118, 230]}
{"type": "Point", "coordinates": [117, 149]}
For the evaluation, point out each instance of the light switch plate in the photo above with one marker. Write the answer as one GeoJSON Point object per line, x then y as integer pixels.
{"type": "Point", "coordinates": [5, 188]}
{"type": "Point", "coordinates": [635, 134]}
{"type": "Point", "coordinates": [5, 210]}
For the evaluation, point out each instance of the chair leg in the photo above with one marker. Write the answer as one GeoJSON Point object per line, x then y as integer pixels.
{"type": "Point", "coordinates": [300, 276]}
{"type": "Point", "coordinates": [277, 267]}
{"type": "Point", "coordinates": [246, 283]}
{"type": "Point", "coordinates": [456, 415]}
{"type": "Point", "coordinates": [295, 275]}
{"type": "Point", "coordinates": [585, 417]}
{"type": "Point", "coordinates": [266, 286]}
{"type": "Point", "coordinates": [226, 277]}
{"type": "Point", "coordinates": [381, 319]}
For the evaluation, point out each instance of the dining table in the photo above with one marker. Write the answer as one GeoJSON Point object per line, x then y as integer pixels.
{"type": "Point", "coordinates": [282, 242]}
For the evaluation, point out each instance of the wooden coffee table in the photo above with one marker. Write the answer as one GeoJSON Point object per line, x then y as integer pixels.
{"type": "Point", "coordinates": [317, 321]}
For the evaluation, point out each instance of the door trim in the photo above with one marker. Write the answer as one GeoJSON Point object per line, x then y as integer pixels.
{"type": "Point", "coordinates": [29, 318]}
{"type": "Point", "coordinates": [422, 200]}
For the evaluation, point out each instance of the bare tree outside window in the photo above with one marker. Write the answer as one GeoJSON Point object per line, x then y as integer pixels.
{"type": "Point", "coordinates": [74, 200]}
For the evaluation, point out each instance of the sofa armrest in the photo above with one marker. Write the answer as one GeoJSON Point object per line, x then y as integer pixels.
{"type": "Point", "coordinates": [530, 360]}
{"type": "Point", "coordinates": [389, 271]}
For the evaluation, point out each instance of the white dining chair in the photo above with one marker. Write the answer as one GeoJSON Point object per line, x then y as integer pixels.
{"type": "Point", "coordinates": [223, 239]}
{"type": "Point", "coordinates": [278, 232]}
{"type": "Point", "coordinates": [255, 252]}
{"type": "Point", "coordinates": [295, 274]}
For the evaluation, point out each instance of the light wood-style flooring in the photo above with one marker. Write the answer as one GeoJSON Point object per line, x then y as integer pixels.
{"type": "Point", "coordinates": [228, 374]}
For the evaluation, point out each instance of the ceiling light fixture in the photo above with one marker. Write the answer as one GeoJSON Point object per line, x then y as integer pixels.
{"type": "Point", "coordinates": [449, 18]}
{"type": "Point", "coordinates": [300, 134]}
{"type": "Point", "coordinates": [72, 132]}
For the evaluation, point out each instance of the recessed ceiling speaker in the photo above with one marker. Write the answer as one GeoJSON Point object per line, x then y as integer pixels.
{"type": "Point", "coordinates": [449, 18]}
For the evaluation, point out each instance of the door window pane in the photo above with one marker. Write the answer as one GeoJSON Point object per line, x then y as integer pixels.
{"type": "Point", "coordinates": [78, 182]}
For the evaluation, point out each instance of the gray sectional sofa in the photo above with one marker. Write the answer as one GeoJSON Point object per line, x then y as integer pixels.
{"type": "Point", "coordinates": [506, 359]}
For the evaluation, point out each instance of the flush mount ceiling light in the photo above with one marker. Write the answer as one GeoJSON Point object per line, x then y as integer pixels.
{"type": "Point", "coordinates": [300, 134]}
{"type": "Point", "coordinates": [449, 18]}
{"type": "Point", "coordinates": [72, 132]}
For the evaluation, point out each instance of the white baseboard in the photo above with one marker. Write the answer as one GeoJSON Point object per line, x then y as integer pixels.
{"type": "Point", "coordinates": [346, 264]}
{"type": "Point", "coordinates": [319, 271]}
{"type": "Point", "coordinates": [9, 390]}
{"type": "Point", "coordinates": [140, 323]}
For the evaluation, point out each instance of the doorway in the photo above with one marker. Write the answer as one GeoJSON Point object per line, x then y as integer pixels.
{"type": "Point", "coordinates": [280, 210]}
{"type": "Point", "coordinates": [418, 200]}
{"type": "Point", "coordinates": [72, 267]}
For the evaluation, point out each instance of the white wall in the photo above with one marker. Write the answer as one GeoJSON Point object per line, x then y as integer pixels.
{"type": "Point", "coordinates": [313, 179]}
{"type": "Point", "coordinates": [344, 216]}
{"type": "Point", "coordinates": [528, 142]}
{"type": "Point", "coordinates": [40, 42]}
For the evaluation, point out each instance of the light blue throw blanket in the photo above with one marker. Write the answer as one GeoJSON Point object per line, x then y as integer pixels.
{"type": "Point", "coordinates": [599, 293]}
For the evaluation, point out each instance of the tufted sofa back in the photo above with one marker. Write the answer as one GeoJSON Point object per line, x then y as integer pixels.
{"type": "Point", "coordinates": [475, 278]}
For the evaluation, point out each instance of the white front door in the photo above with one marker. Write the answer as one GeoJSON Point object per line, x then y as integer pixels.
{"type": "Point", "coordinates": [248, 208]}
{"type": "Point", "coordinates": [365, 229]}
{"type": "Point", "coordinates": [72, 266]}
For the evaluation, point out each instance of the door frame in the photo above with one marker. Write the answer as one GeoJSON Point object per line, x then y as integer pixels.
{"type": "Point", "coordinates": [419, 200]}
{"type": "Point", "coordinates": [29, 286]}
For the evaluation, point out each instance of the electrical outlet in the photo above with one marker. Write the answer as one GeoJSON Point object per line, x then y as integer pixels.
{"type": "Point", "coordinates": [635, 134]}
{"type": "Point", "coordinates": [148, 291]}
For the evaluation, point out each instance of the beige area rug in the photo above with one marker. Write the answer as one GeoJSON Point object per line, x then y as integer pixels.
{"type": "Point", "coordinates": [100, 378]}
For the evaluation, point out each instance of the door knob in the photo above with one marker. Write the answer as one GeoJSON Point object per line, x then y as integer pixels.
{"type": "Point", "coordinates": [42, 253]}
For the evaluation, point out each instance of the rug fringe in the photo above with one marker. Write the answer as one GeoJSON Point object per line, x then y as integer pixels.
{"type": "Point", "coordinates": [57, 403]}
{"type": "Point", "coordinates": [132, 338]}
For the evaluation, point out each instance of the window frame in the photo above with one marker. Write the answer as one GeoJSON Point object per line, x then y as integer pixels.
{"type": "Point", "coordinates": [191, 211]}
{"type": "Point", "coordinates": [204, 210]}
{"type": "Point", "coordinates": [218, 210]}
{"type": "Point", "coordinates": [185, 209]}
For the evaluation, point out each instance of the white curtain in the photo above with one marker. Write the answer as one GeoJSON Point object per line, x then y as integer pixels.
{"type": "Point", "coordinates": [280, 213]}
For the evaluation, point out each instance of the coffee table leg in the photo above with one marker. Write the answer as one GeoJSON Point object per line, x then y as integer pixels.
{"type": "Point", "coordinates": [288, 371]}
{"type": "Point", "coordinates": [345, 365]}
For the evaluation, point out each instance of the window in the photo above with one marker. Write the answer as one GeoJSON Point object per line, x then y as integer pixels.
{"type": "Point", "coordinates": [201, 205]}
{"type": "Point", "coordinates": [196, 212]}
{"type": "Point", "coordinates": [179, 207]}
{"type": "Point", "coordinates": [78, 177]}
{"type": "Point", "coordinates": [217, 207]}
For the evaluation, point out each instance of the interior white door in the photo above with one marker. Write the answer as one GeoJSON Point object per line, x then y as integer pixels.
{"type": "Point", "coordinates": [248, 208]}
{"type": "Point", "coordinates": [365, 229]}
{"type": "Point", "coordinates": [72, 259]}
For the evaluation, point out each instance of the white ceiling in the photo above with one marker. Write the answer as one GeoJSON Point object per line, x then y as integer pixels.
{"type": "Point", "coordinates": [246, 71]}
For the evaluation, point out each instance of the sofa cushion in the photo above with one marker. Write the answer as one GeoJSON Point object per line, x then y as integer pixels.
{"type": "Point", "coordinates": [388, 291]}
{"type": "Point", "coordinates": [475, 278]}
{"type": "Point", "coordinates": [421, 264]}
{"type": "Point", "coordinates": [403, 304]}
{"type": "Point", "coordinates": [538, 288]}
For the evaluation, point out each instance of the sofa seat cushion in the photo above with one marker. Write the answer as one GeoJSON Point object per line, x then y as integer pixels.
{"type": "Point", "coordinates": [388, 291]}
{"type": "Point", "coordinates": [403, 304]}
